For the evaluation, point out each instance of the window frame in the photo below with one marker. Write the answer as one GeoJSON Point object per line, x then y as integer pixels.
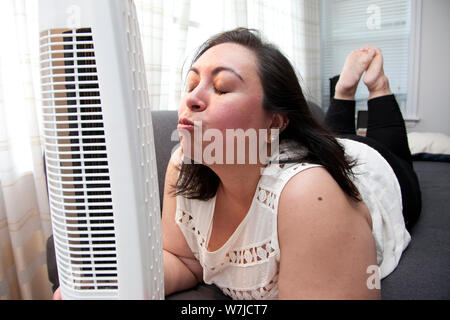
{"type": "Point", "coordinates": [414, 65]}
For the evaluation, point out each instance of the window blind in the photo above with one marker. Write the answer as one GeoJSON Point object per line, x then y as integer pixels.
{"type": "Point", "coordinates": [347, 25]}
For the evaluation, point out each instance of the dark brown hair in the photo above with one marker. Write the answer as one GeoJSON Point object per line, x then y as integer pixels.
{"type": "Point", "coordinates": [282, 94]}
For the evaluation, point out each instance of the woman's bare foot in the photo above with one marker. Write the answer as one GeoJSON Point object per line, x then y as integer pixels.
{"type": "Point", "coordinates": [375, 79]}
{"type": "Point", "coordinates": [356, 63]}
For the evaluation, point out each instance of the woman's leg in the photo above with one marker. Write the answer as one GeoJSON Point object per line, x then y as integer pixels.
{"type": "Point", "coordinates": [386, 133]}
{"type": "Point", "coordinates": [385, 123]}
{"type": "Point", "coordinates": [340, 116]}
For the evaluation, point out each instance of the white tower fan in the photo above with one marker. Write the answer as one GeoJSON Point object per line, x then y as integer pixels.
{"type": "Point", "coordinates": [99, 148]}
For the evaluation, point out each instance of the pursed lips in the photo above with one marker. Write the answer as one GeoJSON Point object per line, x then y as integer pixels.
{"type": "Point", "coordinates": [185, 124]}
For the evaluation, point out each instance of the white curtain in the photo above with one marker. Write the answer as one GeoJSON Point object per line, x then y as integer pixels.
{"type": "Point", "coordinates": [171, 31]}
{"type": "Point", "coordinates": [24, 211]}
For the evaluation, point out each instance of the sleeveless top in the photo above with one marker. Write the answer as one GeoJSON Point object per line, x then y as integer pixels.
{"type": "Point", "coordinates": [247, 265]}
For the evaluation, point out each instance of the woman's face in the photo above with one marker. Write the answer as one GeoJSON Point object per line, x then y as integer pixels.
{"type": "Point", "coordinates": [223, 91]}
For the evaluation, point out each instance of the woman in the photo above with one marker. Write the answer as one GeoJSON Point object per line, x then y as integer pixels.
{"type": "Point", "coordinates": [310, 220]}
{"type": "Point", "coordinates": [311, 229]}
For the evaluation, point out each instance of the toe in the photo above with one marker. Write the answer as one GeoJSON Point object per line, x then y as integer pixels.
{"type": "Point", "coordinates": [378, 52]}
{"type": "Point", "coordinates": [371, 53]}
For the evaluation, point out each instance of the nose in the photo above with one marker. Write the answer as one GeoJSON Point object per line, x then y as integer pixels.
{"type": "Point", "coordinates": [195, 100]}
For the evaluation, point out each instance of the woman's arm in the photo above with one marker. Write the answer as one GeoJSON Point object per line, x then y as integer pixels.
{"type": "Point", "coordinates": [326, 242]}
{"type": "Point", "coordinates": [181, 270]}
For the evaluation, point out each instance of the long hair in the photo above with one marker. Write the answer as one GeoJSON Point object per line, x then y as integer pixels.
{"type": "Point", "coordinates": [281, 94]}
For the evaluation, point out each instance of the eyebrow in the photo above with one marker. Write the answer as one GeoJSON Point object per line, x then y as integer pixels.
{"type": "Point", "coordinates": [218, 70]}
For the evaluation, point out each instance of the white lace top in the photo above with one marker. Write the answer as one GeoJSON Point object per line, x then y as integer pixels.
{"type": "Point", "coordinates": [247, 265]}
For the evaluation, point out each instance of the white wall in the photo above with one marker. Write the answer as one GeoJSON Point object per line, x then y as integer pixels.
{"type": "Point", "coordinates": [434, 70]}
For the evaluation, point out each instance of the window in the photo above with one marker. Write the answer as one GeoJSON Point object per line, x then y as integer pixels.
{"type": "Point", "coordinates": [388, 24]}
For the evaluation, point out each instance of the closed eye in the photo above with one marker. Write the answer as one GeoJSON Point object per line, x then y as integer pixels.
{"type": "Point", "coordinates": [191, 86]}
{"type": "Point", "coordinates": [219, 92]}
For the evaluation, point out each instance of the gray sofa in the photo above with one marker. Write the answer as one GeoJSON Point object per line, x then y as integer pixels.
{"type": "Point", "coordinates": [424, 270]}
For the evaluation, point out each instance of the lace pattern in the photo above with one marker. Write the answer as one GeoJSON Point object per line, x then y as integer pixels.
{"type": "Point", "coordinates": [266, 197]}
{"type": "Point", "coordinates": [187, 221]}
{"type": "Point", "coordinates": [265, 292]}
{"type": "Point", "coordinates": [247, 257]}
{"type": "Point", "coordinates": [251, 256]}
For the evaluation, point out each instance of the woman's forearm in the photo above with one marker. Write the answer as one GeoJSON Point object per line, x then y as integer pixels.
{"type": "Point", "coordinates": [177, 276]}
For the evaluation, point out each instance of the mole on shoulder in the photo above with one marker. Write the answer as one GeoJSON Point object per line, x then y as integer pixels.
{"type": "Point", "coordinates": [319, 198]}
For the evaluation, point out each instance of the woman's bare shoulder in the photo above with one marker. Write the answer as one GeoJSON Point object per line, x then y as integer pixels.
{"type": "Point", "coordinates": [322, 234]}
{"type": "Point", "coordinates": [313, 196]}
{"type": "Point", "coordinates": [311, 185]}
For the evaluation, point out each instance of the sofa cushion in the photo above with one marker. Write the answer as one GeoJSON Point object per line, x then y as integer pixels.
{"type": "Point", "coordinates": [166, 138]}
{"type": "Point", "coordinates": [423, 271]}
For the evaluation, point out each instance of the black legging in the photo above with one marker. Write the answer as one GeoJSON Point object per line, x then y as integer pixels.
{"type": "Point", "coordinates": [386, 133]}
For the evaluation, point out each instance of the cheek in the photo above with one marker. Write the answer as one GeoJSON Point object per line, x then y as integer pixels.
{"type": "Point", "coordinates": [226, 118]}
{"type": "Point", "coordinates": [239, 114]}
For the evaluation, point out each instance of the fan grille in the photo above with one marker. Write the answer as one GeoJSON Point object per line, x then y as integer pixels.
{"type": "Point", "coordinates": [77, 164]}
